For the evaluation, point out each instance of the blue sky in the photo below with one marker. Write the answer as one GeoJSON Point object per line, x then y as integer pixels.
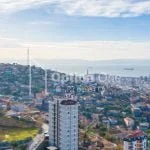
{"type": "Point", "coordinates": [75, 29]}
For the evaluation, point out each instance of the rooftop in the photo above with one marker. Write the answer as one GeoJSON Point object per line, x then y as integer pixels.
{"type": "Point", "coordinates": [68, 102]}
{"type": "Point", "coordinates": [135, 135]}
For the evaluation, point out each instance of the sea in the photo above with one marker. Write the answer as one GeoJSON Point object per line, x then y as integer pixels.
{"type": "Point", "coordinates": [118, 70]}
{"type": "Point", "coordinates": [125, 68]}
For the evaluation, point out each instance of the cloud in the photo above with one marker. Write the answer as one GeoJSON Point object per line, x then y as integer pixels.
{"type": "Point", "coordinates": [41, 23]}
{"type": "Point", "coordinates": [104, 8]}
{"type": "Point", "coordinates": [93, 50]}
{"type": "Point", "coordinates": [9, 43]}
{"type": "Point", "coordinates": [90, 50]}
{"type": "Point", "coordinates": [9, 6]}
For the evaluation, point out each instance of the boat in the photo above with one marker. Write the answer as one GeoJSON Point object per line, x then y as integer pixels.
{"type": "Point", "coordinates": [129, 69]}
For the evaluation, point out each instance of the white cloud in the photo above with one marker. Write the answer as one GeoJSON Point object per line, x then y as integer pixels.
{"type": "Point", "coordinates": [106, 8]}
{"type": "Point", "coordinates": [9, 43]}
{"type": "Point", "coordinates": [7, 6]}
{"type": "Point", "coordinates": [40, 23]}
{"type": "Point", "coordinates": [90, 50]}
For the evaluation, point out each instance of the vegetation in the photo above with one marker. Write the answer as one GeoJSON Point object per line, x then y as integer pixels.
{"type": "Point", "coordinates": [15, 134]}
{"type": "Point", "coordinates": [102, 130]}
{"type": "Point", "coordinates": [15, 122]}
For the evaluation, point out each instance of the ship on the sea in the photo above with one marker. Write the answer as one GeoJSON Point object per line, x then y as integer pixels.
{"type": "Point", "coordinates": [130, 69]}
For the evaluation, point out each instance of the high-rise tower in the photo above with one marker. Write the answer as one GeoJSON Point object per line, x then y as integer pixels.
{"type": "Point", "coordinates": [63, 123]}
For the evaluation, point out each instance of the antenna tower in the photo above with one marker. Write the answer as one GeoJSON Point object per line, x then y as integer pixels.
{"type": "Point", "coordinates": [46, 91]}
{"type": "Point", "coordinates": [30, 75]}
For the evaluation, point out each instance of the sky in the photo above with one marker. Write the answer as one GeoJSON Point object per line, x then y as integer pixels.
{"type": "Point", "coordinates": [75, 29]}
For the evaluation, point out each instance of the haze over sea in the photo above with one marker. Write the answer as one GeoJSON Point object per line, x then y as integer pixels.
{"type": "Point", "coordinates": [127, 67]}
{"type": "Point", "coordinates": [111, 70]}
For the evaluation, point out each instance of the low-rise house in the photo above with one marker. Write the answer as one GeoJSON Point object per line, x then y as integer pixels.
{"type": "Point", "coordinates": [18, 107]}
{"type": "Point", "coordinates": [144, 126]}
{"type": "Point", "coordinates": [113, 121]}
{"type": "Point", "coordinates": [129, 122]}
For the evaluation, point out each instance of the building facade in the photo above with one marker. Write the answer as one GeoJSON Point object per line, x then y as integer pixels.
{"type": "Point", "coordinates": [135, 141]}
{"type": "Point", "coordinates": [63, 123]}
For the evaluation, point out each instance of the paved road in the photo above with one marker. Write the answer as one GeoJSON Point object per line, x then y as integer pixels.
{"type": "Point", "coordinates": [39, 138]}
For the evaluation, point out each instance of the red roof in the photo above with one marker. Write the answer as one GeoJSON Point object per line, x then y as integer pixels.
{"type": "Point", "coordinates": [136, 134]}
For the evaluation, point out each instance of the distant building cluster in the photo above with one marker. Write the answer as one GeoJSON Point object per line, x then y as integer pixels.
{"type": "Point", "coordinates": [100, 111]}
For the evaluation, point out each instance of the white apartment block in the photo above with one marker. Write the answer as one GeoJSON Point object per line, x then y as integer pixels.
{"type": "Point", "coordinates": [135, 141]}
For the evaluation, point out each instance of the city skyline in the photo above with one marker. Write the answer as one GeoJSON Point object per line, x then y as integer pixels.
{"type": "Point", "coordinates": [69, 29]}
{"type": "Point", "coordinates": [75, 74]}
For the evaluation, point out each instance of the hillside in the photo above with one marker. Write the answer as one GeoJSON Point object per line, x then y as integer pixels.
{"type": "Point", "coordinates": [14, 79]}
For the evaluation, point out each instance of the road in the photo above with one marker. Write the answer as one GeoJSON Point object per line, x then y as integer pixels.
{"type": "Point", "coordinates": [39, 138]}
